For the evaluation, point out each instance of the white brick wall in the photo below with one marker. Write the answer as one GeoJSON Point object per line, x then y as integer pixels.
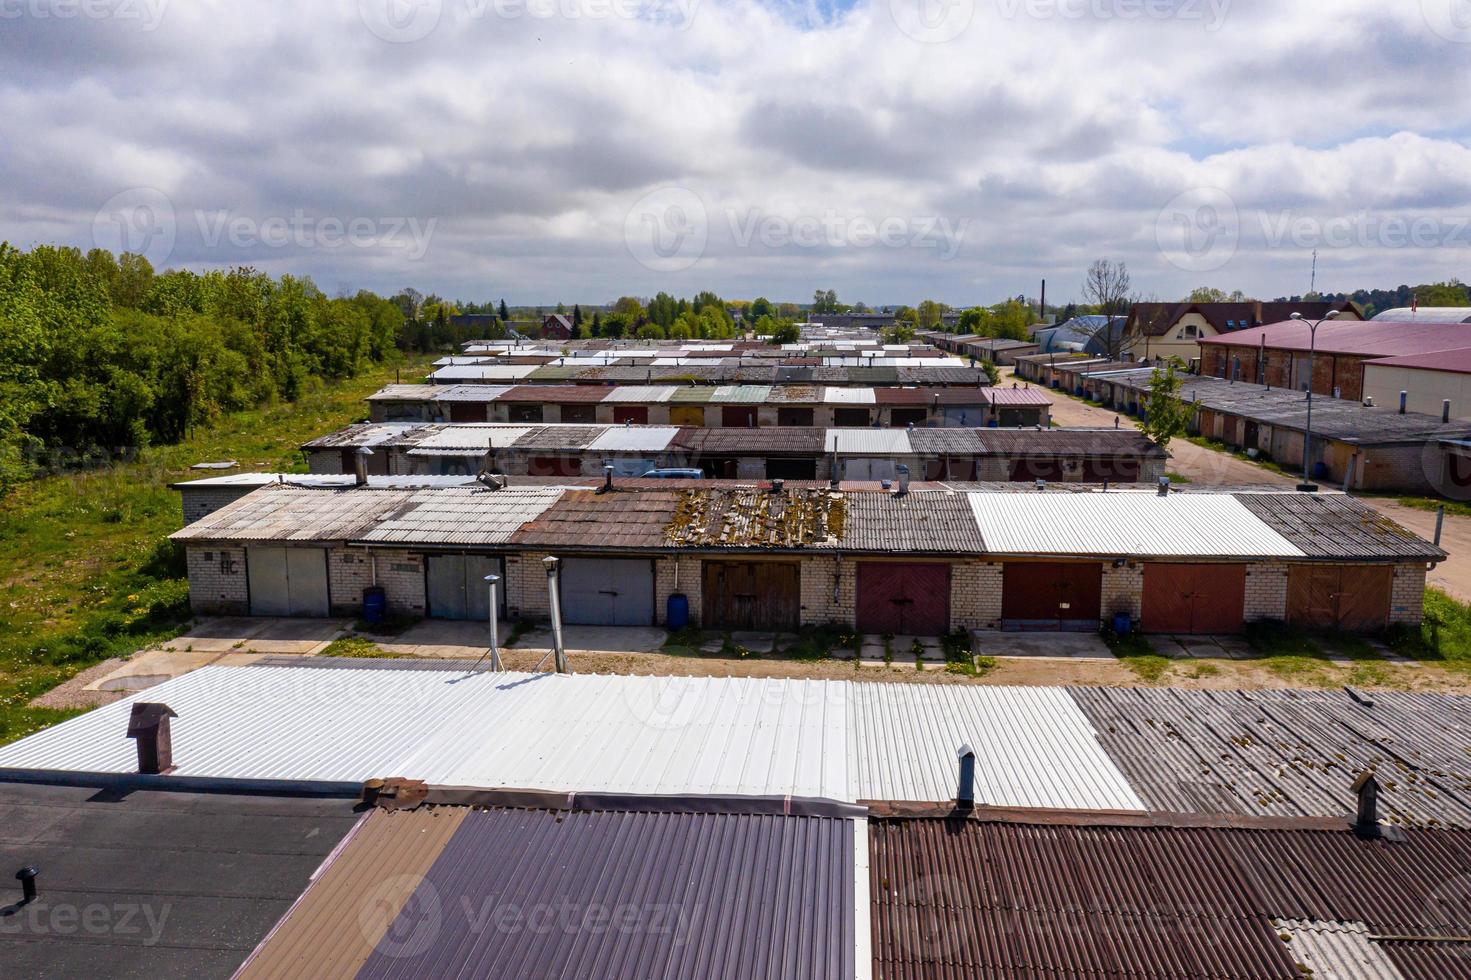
{"type": "Point", "coordinates": [1407, 597]}
{"type": "Point", "coordinates": [1266, 592]}
{"type": "Point", "coordinates": [975, 596]}
{"type": "Point", "coordinates": [688, 582]}
{"type": "Point", "coordinates": [819, 607]}
{"type": "Point", "coordinates": [399, 572]}
{"type": "Point", "coordinates": [1123, 591]}
{"type": "Point", "coordinates": [217, 584]}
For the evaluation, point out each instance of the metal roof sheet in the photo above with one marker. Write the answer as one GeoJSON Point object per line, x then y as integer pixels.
{"type": "Point", "coordinates": [848, 396]}
{"type": "Point", "coordinates": [692, 395]}
{"type": "Point", "coordinates": [279, 512]}
{"type": "Point", "coordinates": [483, 372]}
{"type": "Point", "coordinates": [1070, 442]}
{"type": "Point", "coordinates": [1336, 950]}
{"type": "Point", "coordinates": [795, 440]}
{"type": "Point", "coordinates": [1017, 397]}
{"type": "Point", "coordinates": [865, 442]}
{"type": "Point", "coordinates": [469, 438]}
{"type": "Point", "coordinates": [640, 393]}
{"type": "Point", "coordinates": [1133, 524]}
{"type": "Point", "coordinates": [559, 437]}
{"type": "Point", "coordinates": [555, 394]}
{"type": "Point", "coordinates": [364, 434]}
{"type": "Point", "coordinates": [463, 515]}
{"type": "Point", "coordinates": [594, 520]}
{"type": "Point", "coordinates": [915, 522]}
{"type": "Point", "coordinates": [634, 439]}
{"type": "Point", "coordinates": [1337, 526]}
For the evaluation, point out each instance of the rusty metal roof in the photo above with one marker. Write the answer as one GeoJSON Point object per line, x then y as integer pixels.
{"type": "Point", "coordinates": [930, 523]}
{"type": "Point", "coordinates": [757, 519]}
{"type": "Point", "coordinates": [797, 440]}
{"type": "Point", "coordinates": [593, 520]}
{"type": "Point", "coordinates": [1070, 442]}
{"type": "Point", "coordinates": [559, 437]}
{"type": "Point", "coordinates": [936, 442]}
{"type": "Point", "coordinates": [966, 898]}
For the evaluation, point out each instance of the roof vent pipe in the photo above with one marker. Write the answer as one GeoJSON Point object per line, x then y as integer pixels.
{"type": "Point", "coordinates": [360, 465]}
{"type": "Point", "coordinates": [1445, 410]}
{"type": "Point", "coordinates": [903, 471]}
{"type": "Point", "coordinates": [1368, 401]}
{"type": "Point", "coordinates": [1164, 486]}
{"type": "Point", "coordinates": [777, 486]}
{"type": "Point", "coordinates": [1366, 821]}
{"type": "Point", "coordinates": [1404, 401]}
{"type": "Point", "coordinates": [1041, 484]}
{"type": "Point", "coordinates": [965, 793]}
{"type": "Point", "coordinates": [149, 724]}
{"type": "Point", "coordinates": [27, 878]}
{"type": "Point", "coordinates": [607, 478]}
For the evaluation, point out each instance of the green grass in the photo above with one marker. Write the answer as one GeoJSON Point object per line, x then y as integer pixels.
{"type": "Point", "coordinates": [86, 572]}
{"type": "Point", "coordinates": [1453, 508]}
{"type": "Point", "coordinates": [1135, 652]}
{"type": "Point", "coordinates": [1216, 445]}
{"type": "Point", "coordinates": [356, 647]}
{"type": "Point", "coordinates": [1443, 637]}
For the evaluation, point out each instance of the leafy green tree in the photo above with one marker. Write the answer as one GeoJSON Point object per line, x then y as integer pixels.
{"type": "Point", "coordinates": [1166, 414]}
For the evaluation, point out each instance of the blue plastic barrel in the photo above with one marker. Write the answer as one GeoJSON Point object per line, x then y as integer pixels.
{"type": "Point", "coordinates": [993, 424]}
{"type": "Point", "coordinates": [375, 604]}
{"type": "Point", "coordinates": [1123, 624]}
{"type": "Point", "coordinates": [677, 615]}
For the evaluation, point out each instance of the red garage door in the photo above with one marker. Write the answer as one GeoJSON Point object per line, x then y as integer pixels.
{"type": "Point", "coordinates": [738, 417]}
{"type": "Point", "coordinates": [631, 415]}
{"type": "Point", "coordinates": [1052, 595]}
{"type": "Point", "coordinates": [1194, 598]}
{"type": "Point", "coordinates": [904, 599]}
{"type": "Point", "coordinates": [1345, 597]}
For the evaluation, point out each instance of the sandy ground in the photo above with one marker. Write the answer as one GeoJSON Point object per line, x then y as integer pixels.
{"type": "Point", "coordinates": [1211, 468]}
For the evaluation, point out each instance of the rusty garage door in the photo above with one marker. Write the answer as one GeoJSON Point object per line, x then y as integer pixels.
{"type": "Point", "coordinates": [1052, 595]}
{"type": "Point", "coordinates": [756, 595]}
{"type": "Point", "coordinates": [1194, 598]}
{"type": "Point", "coordinates": [1347, 597]}
{"type": "Point", "coordinates": [904, 599]}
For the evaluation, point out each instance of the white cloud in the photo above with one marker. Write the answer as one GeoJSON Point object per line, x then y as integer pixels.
{"type": "Point", "coordinates": [1049, 134]}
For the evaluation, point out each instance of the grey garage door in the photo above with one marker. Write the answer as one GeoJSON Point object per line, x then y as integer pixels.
{"type": "Point", "coordinates": [287, 581]}
{"type": "Point", "coordinates": [457, 588]}
{"type": "Point", "coordinates": [607, 591]}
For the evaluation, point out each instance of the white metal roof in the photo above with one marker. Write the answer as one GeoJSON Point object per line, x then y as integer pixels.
{"type": "Point", "coordinates": [866, 442]}
{"type": "Point", "coordinates": [1134, 523]}
{"type": "Point", "coordinates": [848, 396]}
{"type": "Point", "coordinates": [463, 515]}
{"type": "Point", "coordinates": [640, 393]}
{"type": "Point", "coordinates": [469, 438]}
{"type": "Point", "coordinates": [647, 438]}
{"type": "Point", "coordinates": [482, 372]}
{"type": "Point", "coordinates": [658, 735]}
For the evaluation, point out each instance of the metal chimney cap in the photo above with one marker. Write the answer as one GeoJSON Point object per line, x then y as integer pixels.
{"type": "Point", "coordinates": [492, 579]}
{"type": "Point", "coordinates": [965, 750]}
{"type": "Point", "coordinates": [551, 563]}
{"type": "Point", "coordinates": [28, 872]}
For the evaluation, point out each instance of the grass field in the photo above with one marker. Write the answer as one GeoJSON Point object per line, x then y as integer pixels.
{"type": "Point", "coordinates": [86, 570]}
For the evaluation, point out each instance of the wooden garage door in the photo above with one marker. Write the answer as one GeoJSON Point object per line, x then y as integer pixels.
{"type": "Point", "coordinates": [759, 595]}
{"type": "Point", "coordinates": [693, 415]}
{"type": "Point", "coordinates": [1194, 598]}
{"type": "Point", "coordinates": [1347, 597]}
{"type": "Point", "coordinates": [1052, 595]}
{"type": "Point", "coordinates": [904, 599]}
{"type": "Point", "coordinates": [457, 588]}
{"type": "Point", "coordinates": [287, 581]}
{"type": "Point", "coordinates": [607, 591]}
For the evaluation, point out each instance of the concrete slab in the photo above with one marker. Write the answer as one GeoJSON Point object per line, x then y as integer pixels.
{"type": "Point", "coordinates": [755, 642]}
{"type": "Point", "coordinates": [1235, 648]}
{"type": "Point", "coordinates": [714, 645]}
{"type": "Point", "coordinates": [1055, 646]}
{"type": "Point", "coordinates": [153, 667]}
{"type": "Point", "coordinates": [1200, 647]}
{"type": "Point", "coordinates": [598, 639]}
{"type": "Point", "coordinates": [1165, 646]}
{"type": "Point", "coordinates": [871, 650]}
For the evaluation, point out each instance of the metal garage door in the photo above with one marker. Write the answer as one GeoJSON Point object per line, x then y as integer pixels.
{"type": "Point", "coordinates": [903, 599]}
{"type": "Point", "coordinates": [1348, 597]}
{"type": "Point", "coordinates": [630, 415]}
{"type": "Point", "coordinates": [760, 595]}
{"type": "Point", "coordinates": [869, 469]}
{"type": "Point", "coordinates": [607, 591]}
{"type": "Point", "coordinates": [693, 415]}
{"type": "Point", "coordinates": [287, 581]}
{"type": "Point", "coordinates": [738, 417]}
{"type": "Point", "coordinates": [1194, 598]}
{"type": "Point", "coordinates": [457, 588]}
{"type": "Point", "coordinates": [1052, 595]}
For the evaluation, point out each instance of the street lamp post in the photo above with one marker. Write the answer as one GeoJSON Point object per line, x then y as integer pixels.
{"type": "Point", "coordinates": [491, 581]}
{"type": "Point", "coordinates": [1307, 485]}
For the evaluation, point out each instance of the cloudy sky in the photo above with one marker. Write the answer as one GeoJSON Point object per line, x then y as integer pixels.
{"type": "Point", "coordinates": [889, 149]}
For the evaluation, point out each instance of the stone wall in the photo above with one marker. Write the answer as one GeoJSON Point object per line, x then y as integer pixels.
{"type": "Point", "coordinates": [217, 582]}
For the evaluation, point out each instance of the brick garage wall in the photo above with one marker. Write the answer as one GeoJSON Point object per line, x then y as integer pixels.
{"type": "Point", "coordinates": [819, 577]}
{"type": "Point", "coordinates": [399, 572]}
{"type": "Point", "coordinates": [1266, 591]}
{"type": "Point", "coordinates": [217, 584]}
{"type": "Point", "coordinates": [1413, 468]}
{"type": "Point", "coordinates": [689, 583]}
{"type": "Point", "coordinates": [975, 596]}
{"type": "Point", "coordinates": [200, 503]}
{"type": "Point", "coordinates": [526, 587]}
{"type": "Point", "coordinates": [1123, 591]}
{"type": "Point", "coordinates": [325, 461]}
{"type": "Point", "coordinates": [1407, 597]}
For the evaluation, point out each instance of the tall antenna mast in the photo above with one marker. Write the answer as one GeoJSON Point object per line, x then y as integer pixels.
{"type": "Point", "coordinates": [1313, 284]}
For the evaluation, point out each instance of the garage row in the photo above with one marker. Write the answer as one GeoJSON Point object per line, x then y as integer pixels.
{"type": "Point", "coordinates": [897, 597]}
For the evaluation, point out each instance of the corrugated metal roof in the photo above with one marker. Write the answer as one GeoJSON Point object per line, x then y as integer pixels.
{"type": "Point", "coordinates": [794, 440]}
{"type": "Point", "coordinates": [592, 520]}
{"type": "Point", "coordinates": [848, 396]}
{"type": "Point", "coordinates": [367, 434]}
{"type": "Point", "coordinates": [1337, 526]}
{"type": "Point", "coordinates": [1336, 950]}
{"type": "Point", "coordinates": [483, 372]}
{"type": "Point", "coordinates": [932, 523]}
{"type": "Point", "coordinates": [692, 395]}
{"type": "Point", "coordinates": [462, 515]}
{"type": "Point", "coordinates": [559, 437]}
{"type": "Point", "coordinates": [555, 394]}
{"type": "Point", "coordinates": [937, 442]}
{"type": "Point", "coordinates": [471, 438]}
{"type": "Point", "coordinates": [657, 896]}
{"type": "Point", "coordinates": [640, 393]}
{"type": "Point", "coordinates": [634, 439]}
{"type": "Point", "coordinates": [1133, 524]}
{"type": "Point", "coordinates": [286, 513]}
{"type": "Point", "coordinates": [1070, 442]}
{"type": "Point", "coordinates": [868, 442]}
{"type": "Point", "coordinates": [1017, 397]}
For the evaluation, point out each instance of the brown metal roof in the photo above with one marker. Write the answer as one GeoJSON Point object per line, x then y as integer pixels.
{"type": "Point", "coordinates": [903, 396]}
{"type": "Point", "coordinates": [964, 898]}
{"type": "Point", "coordinates": [559, 437]}
{"type": "Point", "coordinates": [347, 911]}
{"type": "Point", "coordinates": [592, 520]}
{"type": "Point", "coordinates": [555, 394]}
{"type": "Point", "coordinates": [937, 442]}
{"type": "Point", "coordinates": [802, 441]}
{"type": "Point", "coordinates": [915, 522]}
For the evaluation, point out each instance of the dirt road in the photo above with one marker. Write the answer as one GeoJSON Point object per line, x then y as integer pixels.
{"type": "Point", "coordinates": [1211, 468]}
